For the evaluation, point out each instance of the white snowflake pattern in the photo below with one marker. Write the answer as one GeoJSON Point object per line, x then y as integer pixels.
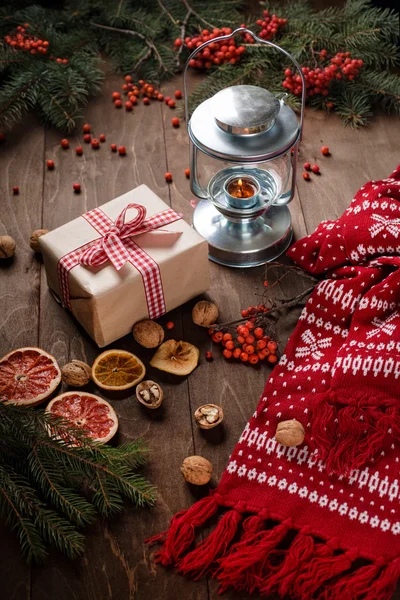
{"type": "Point", "coordinates": [282, 485]}
{"type": "Point", "coordinates": [374, 522]}
{"type": "Point", "coordinates": [242, 471]}
{"type": "Point", "coordinates": [232, 466]}
{"type": "Point", "coordinates": [361, 249]}
{"type": "Point", "coordinates": [272, 480]}
{"type": "Point", "coordinates": [384, 224]}
{"type": "Point", "coordinates": [383, 325]}
{"type": "Point", "coordinates": [313, 497]}
{"type": "Point", "coordinates": [353, 512]}
{"type": "Point", "coordinates": [333, 505]}
{"type": "Point", "coordinates": [385, 525]}
{"type": "Point", "coordinates": [262, 478]}
{"type": "Point", "coordinates": [252, 474]}
{"type": "Point", "coordinates": [323, 501]}
{"type": "Point", "coordinates": [363, 517]}
{"type": "Point", "coordinates": [343, 508]}
{"type": "Point", "coordinates": [371, 250]}
{"type": "Point", "coordinates": [303, 492]}
{"type": "Point", "coordinates": [396, 528]}
{"type": "Point", "coordinates": [292, 488]}
{"type": "Point", "coordinates": [313, 346]}
{"type": "Point", "coordinates": [354, 255]}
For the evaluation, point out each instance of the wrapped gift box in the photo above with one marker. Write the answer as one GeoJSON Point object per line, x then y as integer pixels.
{"type": "Point", "coordinates": [107, 302]}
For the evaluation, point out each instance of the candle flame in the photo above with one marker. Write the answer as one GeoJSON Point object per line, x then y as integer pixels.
{"type": "Point", "coordinates": [240, 182]}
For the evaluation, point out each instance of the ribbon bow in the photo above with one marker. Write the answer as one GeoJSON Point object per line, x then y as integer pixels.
{"type": "Point", "coordinates": [117, 246]}
{"type": "Point", "coordinates": [110, 246]}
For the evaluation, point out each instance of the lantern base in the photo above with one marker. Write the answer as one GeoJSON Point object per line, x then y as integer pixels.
{"type": "Point", "coordinates": [244, 242]}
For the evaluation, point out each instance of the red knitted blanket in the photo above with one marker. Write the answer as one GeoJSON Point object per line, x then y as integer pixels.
{"type": "Point", "coordinates": [321, 520]}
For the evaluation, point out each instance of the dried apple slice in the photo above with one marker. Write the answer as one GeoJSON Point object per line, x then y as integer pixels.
{"type": "Point", "coordinates": [179, 358]}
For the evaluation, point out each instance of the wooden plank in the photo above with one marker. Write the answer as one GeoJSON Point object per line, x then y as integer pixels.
{"type": "Point", "coordinates": [356, 157]}
{"type": "Point", "coordinates": [21, 164]}
{"type": "Point", "coordinates": [235, 387]}
{"type": "Point", "coordinates": [117, 563]}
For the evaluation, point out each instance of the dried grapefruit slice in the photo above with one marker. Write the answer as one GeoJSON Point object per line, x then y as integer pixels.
{"type": "Point", "coordinates": [179, 358]}
{"type": "Point", "coordinates": [88, 412]}
{"type": "Point", "coordinates": [28, 376]}
{"type": "Point", "coordinates": [117, 370]}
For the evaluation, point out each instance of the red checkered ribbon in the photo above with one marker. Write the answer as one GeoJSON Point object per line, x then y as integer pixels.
{"type": "Point", "coordinates": [115, 245]}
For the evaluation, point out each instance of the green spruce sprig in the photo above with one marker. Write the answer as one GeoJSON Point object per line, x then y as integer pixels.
{"type": "Point", "coordinates": [54, 480]}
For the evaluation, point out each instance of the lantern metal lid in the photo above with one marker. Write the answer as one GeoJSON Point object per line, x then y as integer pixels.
{"type": "Point", "coordinates": [243, 156]}
{"type": "Point", "coordinates": [244, 109]}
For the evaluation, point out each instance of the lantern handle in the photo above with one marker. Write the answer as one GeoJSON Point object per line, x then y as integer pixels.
{"type": "Point", "coordinates": [259, 40]}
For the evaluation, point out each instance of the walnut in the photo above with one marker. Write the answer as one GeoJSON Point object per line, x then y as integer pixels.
{"type": "Point", "coordinates": [290, 433]}
{"type": "Point", "coordinates": [148, 334]}
{"type": "Point", "coordinates": [205, 313]}
{"type": "Point", "coordinates": [197, 470]}
{"type": "Point", "coordinates": [7, 246]}
{"type": "Point", "coordinates": [34, 239]}
{"type": "Point", "coordinates": [209, 416]}
{"type": "Point", "coordinates": [76, 373]}
{"type": "Point", "coordinates": [149, 393]}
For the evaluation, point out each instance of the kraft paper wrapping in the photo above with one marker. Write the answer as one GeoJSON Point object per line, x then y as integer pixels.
{"type": "Point", "coordinates": [107, 302]}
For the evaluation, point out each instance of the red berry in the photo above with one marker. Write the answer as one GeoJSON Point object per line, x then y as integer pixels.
{"type": "Point", "coordinates": [15, 190]}
{"type": "Point", "coordinates": [128, 78]}
{"type": "Point", "coordinates": [209, 356]}
{"type": "Point", "coordinates": [167, 99]}
{"type": "Point", "coordinates": [79, 150]}
{"type": "Point", "coordinates": [117, 103]}
{"type": "Point", "coordinates": [146, 101]}
{"type": "Point", "coordinates": [113, 147]}
{"type": "Point", "coordinates": [265, 284]}
{"type": "Point", "coordinates": [168, 177]}
{"type": "Point", "coordinates": [230, 345]}
{"type": "Point", "coordinates": [64, 144]}
{"type": "Point", "coordinates": [178, 42]}
{"type": "Point", "coordinates": [175, 122]}
{"type": "Point", "coordinates": [87, 138]}
{"type": "Point", "coordinates": [307, 166]}
{"type": "Point", "coordinates": [187, 173]}
{"type": "Point", "coordinates": [121, 150]}
{"type": "Point", "coordinates": [128, 106]}
{"type": "Point", "coordinates": [244, 357]}
{"type": "Point", "coordinates": [86, 128]}
{"type": "Point", "coordinates": [170, 325]}
{"type": "Point", "coordinates": [249, 339]}
{"type": "Point", "coordinates": [227, 337]}
{"type": "Point", "coordinates": [77, 188]}
{"type": "Point", "coordinates": [115, 95]}
{"type": "Point", "coordinates": [102, 137]}
{"type": "Point", "coordinates": [325, 150]}
{"type": "Point", "coordinates": [50, 164]}
{"type": "Point", "coordinates": [261, 344]}
{"type": "Point", "coordinates": [178, 94]}
{"type": "Point", "coordinates": [315, 169]}
{"type": "Point", "coordinates": [236, 353]}
{"type": "Point", "coordinates": [306, 176]}
{"type": "Point", "coordinates": [95, 143]}
{"type": "Point", "coordinates": [172, 103]}
{"type": "Point", "coordinates": [253, 359]}
{"type": "Point", "coordinates": [258, 333]}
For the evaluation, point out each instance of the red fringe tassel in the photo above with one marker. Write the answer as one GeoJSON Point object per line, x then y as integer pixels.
{"type": "Point", "coordinates": [181, 532]}
{"type": "Point", "coordinates": [197, 562]}
{"type": "Point", "coordinates": [243, 567]}
{"type": "Point", "coordinates": [309, 570]}
{"type": "Point", "coordinates": [347, 432]}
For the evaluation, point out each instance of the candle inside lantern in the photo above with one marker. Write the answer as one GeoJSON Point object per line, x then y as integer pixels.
{"type": "Point", "coordinates": [242, 188]}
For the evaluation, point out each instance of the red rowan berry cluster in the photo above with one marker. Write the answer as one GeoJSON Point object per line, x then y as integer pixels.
{"type": "Point", "coordinates": [217, 53]}
{"type": "Point", "coordinates": [318, 80]}
{"type": "Point", "coordinates": [249, 343]}
{"type": "Point", "coordinates": [22, 40]}
{"type": "Point", "coordinates": [270, 25]}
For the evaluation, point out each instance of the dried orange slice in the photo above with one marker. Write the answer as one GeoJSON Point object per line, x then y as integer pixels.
{"type": "Point", "coordinates": [179, 358]}
{"type": "Point", "coordinates": [28, 376]}
{"type": "Point", "coordinates": [88, 412]}
{"type": "Point", "coordinates": [117, 370]}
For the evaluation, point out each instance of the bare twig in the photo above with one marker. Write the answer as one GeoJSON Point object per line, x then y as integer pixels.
{"type": "Point", "coordinates": [196, 14]}
{"type": "Point", "coordinates": [141, 60]}
{"type": "Point", "coordinates": [170, 17]}
{"type": "Point", "coordinates": [183, 34]}
{"type": "Point", "coordinates": [146, 40]}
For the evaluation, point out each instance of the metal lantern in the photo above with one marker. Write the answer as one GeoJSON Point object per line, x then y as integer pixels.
{"type": "Point", "coordinates": [243, 154]}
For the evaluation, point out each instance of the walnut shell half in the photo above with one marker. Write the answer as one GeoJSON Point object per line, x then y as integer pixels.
{"type": "Point", "coordinates": [290, 433]}
{"type": "Point", "coordinates": [149, 393]}
{"type": "Point", "coordinates": [196, 470]}
{"type": "Point", "coordinates": [208, 416]}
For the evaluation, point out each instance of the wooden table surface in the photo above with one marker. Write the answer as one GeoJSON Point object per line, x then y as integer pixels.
{"type": "Point", "coordinates": [117, 565]}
